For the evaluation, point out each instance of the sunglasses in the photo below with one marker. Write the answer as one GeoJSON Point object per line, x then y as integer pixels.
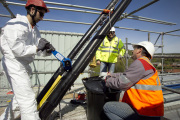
{"type": "Point", "coordinates": [41, 13]}
{"type": "Point", "coordinates": [111, 33]}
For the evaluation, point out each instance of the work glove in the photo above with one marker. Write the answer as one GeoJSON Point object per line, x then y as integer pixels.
{"type": "Point", "coordinates": [42, 44]}
{"type": "Point", "coordinates": [49, 48]}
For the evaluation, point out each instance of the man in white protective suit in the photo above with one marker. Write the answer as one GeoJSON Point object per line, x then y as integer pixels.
{"type": "Point", "coordinates": [20, 41]}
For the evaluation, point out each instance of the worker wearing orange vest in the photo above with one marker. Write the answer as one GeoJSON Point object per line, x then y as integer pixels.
{"type": "Point", "coordinates": [143, 97]}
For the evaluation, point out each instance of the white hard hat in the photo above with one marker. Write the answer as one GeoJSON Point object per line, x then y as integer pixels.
{"type": "Point", "coordinates": [113, 29]}
{"type": "Point", "coordinates": [148, 46]}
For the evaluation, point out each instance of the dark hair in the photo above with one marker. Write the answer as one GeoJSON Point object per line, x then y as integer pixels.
{"type": "Point", "coordinates": [144, 52]}
{"type": "Point", "coordinates": [37, 7]}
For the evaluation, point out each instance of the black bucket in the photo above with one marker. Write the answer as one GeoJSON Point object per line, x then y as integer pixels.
{"type": "Point", "coordinates": [97, 96]}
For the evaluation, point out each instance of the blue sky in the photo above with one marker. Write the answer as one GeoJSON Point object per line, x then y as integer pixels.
{"type": "Point", "coordinates": [166, 10]}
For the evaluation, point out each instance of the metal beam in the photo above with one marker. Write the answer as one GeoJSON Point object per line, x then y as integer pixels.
{"type": "Point", "coordinates": [57, 8]}
{"type": "Point", "coordinates": [134, 17]}
{"type": "Point", "coordinates": [6, 6]}
{"type": "Point", "coordinates": [173, 31]}
{"type": "Point", "coordinates": [64, 21]}
{"type": "Point", "coordinates": [125, 15]}
{"type": "Point", "coordinates": [169, 89]}
{"type": "Point", "coordinates": [76, 6]}
{"type": "Point", "coordinates": [138, 9]}
{"type": "Point", "coordinates": [145, 31]}
{"type": "Point", "coordinates": [166, 56]}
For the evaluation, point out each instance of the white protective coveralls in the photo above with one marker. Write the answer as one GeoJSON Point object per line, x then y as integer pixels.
{"type": "Point", "coordinates": [18, 43]}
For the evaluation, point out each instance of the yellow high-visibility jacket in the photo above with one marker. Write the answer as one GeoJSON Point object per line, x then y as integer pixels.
{"type": "Point", "coordinates": [109, 50]}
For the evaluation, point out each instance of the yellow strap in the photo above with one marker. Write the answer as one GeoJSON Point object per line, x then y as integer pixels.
{"type": "Point", "coordinates": [58, 79]}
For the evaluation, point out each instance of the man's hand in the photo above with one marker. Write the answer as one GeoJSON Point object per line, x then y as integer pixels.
{"type": "Point", "coordinates": [42, 44]}
{"type": "Point", "coordinates": [49, 48]}
{"type": "Point", "coordinates": [108, 74]}
{"type": "Point", "coordinates": [98, 62]}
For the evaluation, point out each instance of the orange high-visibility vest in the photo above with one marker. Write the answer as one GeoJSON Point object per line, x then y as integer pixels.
{"type": "Point", "coordinates": [146, 95]}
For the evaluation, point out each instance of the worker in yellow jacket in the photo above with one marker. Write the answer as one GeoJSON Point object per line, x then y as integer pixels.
{"type": "Point", "coordinates": [110, 49]}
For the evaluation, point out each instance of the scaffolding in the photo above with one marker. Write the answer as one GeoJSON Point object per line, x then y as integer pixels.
{"type": "Point", "coordinates": [124, 16]}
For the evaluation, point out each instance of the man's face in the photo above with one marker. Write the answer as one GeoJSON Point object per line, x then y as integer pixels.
{"type": "Point", "coordinates": [135, 52]}
{"type": "Point", "coordinates": [111, 34]}
{"type": "Point", "coordinates": [39, 15]}
{"type": "Point", "coordinates": [134, 55]}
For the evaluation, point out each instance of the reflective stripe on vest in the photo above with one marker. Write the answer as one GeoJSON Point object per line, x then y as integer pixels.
{"type": "Point", "coordinates": [109, 51]}
{"type": "Point", "coordinates": [147, 87]}
{"type": "Point", "coordinates": [110, 46]}
{"type": "Point", "coordinates": [146, 95]}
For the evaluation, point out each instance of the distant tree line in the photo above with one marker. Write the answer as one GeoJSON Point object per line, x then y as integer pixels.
{"type": "Point", "coordinates": [168, 63]}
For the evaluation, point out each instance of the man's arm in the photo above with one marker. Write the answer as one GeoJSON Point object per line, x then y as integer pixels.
{"type": "Point", "coordinates": [98, 55]}
{"type": "Point", "coordinates": [121, 48]}
{"type": "Point", "coordinates": [123, 81]}
{"type": "Point", "coordinates": [17, 41]}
